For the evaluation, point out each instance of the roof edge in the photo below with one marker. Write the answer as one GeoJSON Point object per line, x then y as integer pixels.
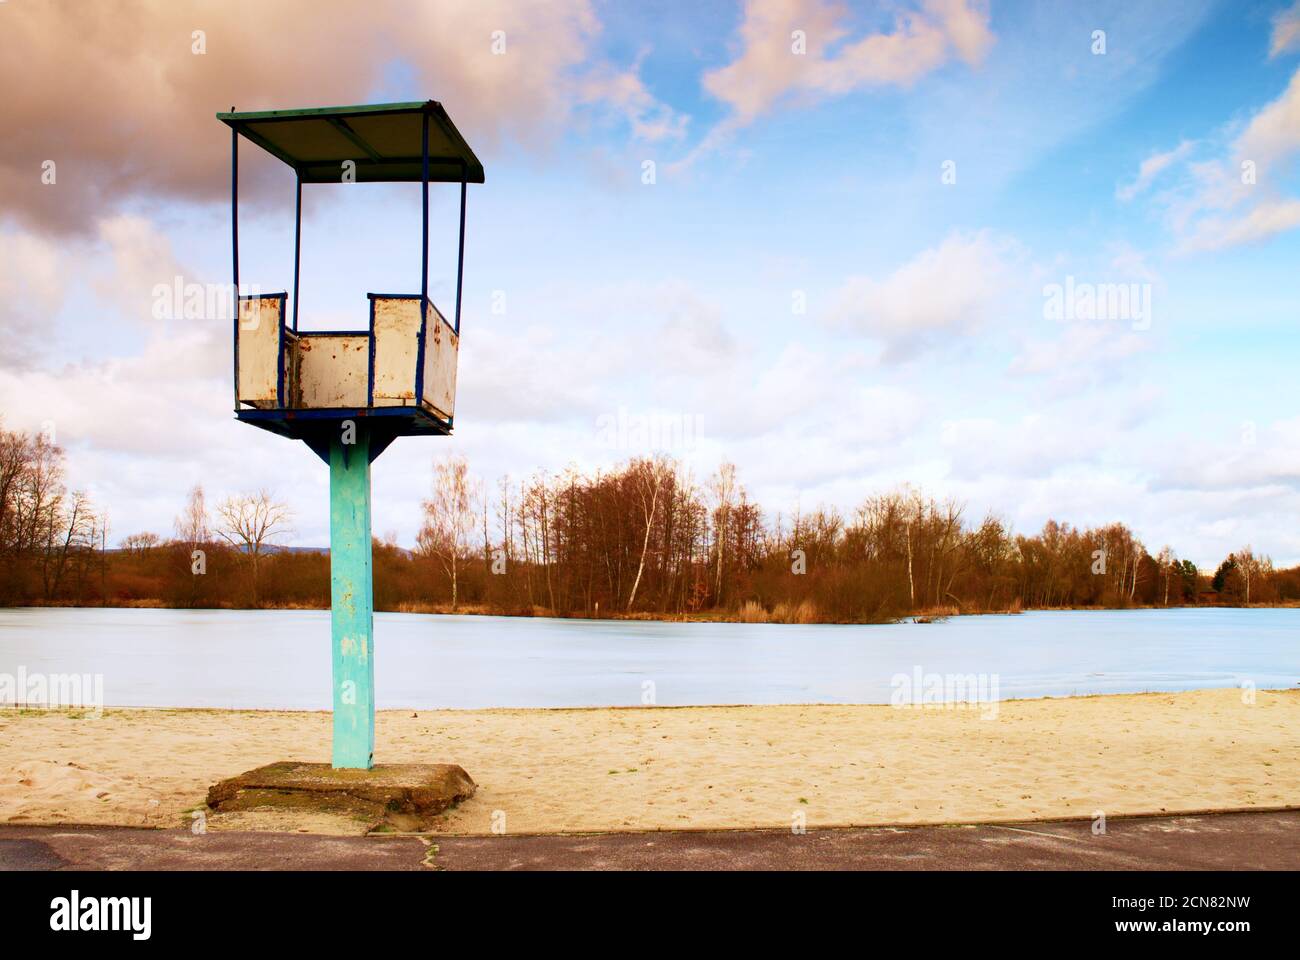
{"type": "Point", "coordinates": [239, 122]}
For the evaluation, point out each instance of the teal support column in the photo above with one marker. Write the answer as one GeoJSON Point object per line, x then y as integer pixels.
{"type": "Point", "coordinates": [352, 601]}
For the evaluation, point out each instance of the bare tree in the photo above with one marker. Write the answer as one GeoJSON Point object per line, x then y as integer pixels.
{"type": "Point", "coordinates": [915, 513]}
{"type": "Point", "coordinates": [649, 480]}
{"type": "Point", "coordinates": [138, 544]}
{"type": "Point", "coordinates": [1166, 562]}
{"type": "Point", "coordinates": [192, 525]}
{"type": "Point", "coordinates": [251, 523]}
{"type": "Point", "coordinates": [33, 505]}
{"type": "Point", "coordinates": [71, 533]}
{"type": "Point", "coordinates": [15, 462]}
{"type": "Point", "coordinates": [449, 518]}
{"type": "Point", "coordinates": [1248, 568]}
{"type": "Point", "coordinates": [724, 491]}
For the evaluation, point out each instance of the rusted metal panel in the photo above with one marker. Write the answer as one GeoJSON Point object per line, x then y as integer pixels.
{"type": "Point", "coordinates": [396, 332]}
{"type": "Point", "coordinates": [441, 348]}
{"type": "Point", "coordinates": [258, 350]}
{"type": "Point", "coordinates": [290, 368]}
{"type": "Point", "coordinates": [333, 371]}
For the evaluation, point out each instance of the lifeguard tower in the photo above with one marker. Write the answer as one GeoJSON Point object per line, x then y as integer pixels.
{"type": "Point", "coordinates": [349, 394]}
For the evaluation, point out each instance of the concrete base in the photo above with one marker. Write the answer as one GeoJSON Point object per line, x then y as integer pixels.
{"type": "Point", "coordinates": [401, 796]}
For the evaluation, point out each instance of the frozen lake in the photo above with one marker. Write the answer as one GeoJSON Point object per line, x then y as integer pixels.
{"type": "Point", "coordinates": [281, 659]}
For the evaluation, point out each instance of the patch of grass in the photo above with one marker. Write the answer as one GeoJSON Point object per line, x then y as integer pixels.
{"type": "Point", "coordinates": [431, 856]}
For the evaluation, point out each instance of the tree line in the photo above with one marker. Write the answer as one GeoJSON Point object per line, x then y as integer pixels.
{"type": "Point", "coordinates": [644, 539]}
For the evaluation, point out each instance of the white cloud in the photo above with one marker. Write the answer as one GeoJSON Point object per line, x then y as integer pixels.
{"type": "Point", "coordinates": [1286, 31]}
{"type": "Point", "coordinates": [131, 398]}
{"type": "Point", "coordinates": [1083, 355]}
{"type": "Point", "coordinates": [125, 106]}
{"type": "Point", "coordinates": [1273, 135]}
{"type": "Point", "coordinates": [1151, 167]}
{"type": "Point", "coordinates": [500, 366]}
{"type": "Point", "coordinates": [31, 289]}
{"type": "Point", "coordinates": [1034, 445]}
{"type": "Point", "coordinates": [625, 93]}
{"type": "Point", "coordinates": [1267, 458]}
{"type": "Point", "coordinates": [767, 68]}
{"type": "Point", "coordinates": [1236, 199]}
{"type": "Point", "coordinates": [1266, 219]}
{"type": "Point", "coordinates": [136, 258]}
{"type": "Point", "coordinates": [943, 292]}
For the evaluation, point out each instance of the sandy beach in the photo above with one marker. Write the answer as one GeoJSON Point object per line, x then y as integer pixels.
{"type": "Point", "coordinates": [548, 771]}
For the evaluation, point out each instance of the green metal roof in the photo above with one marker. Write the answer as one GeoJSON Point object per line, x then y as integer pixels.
{"type": "Point", "coordinates": [383, 139]}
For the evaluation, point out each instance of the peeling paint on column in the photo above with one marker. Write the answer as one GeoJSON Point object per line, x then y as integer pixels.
{"type": "Point", "coordinates": [352, 601]}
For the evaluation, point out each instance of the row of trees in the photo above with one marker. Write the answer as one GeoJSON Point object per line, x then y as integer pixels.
{"type": "Point", "coordinates": [54, 541]}
{"type": "Point", "coordinates": [644, 539]}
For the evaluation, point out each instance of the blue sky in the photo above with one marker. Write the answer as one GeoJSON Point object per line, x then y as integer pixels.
{"type": "Point", "coordinates": [923, 355]}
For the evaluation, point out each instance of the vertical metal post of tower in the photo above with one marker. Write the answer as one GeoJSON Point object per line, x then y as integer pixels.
{"type": "Point", "coordinates": [234, 240]}
{"type": "Point", "coordinates": [352, 600]}
{"type": "Point", "coordinates": [297, 250]}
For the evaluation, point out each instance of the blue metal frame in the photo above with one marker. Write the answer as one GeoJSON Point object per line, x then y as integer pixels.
{"type": "Point", "coordinates": [234, 241]}
{"type": "Point", "coordinates": [420, 419]}
{"type": "Point", "coordinates": [279, 357]}
{"type": "Point", "coordinates": [336, 413]}
{"type": "Point", "coordinates": [370, 374]}
{"type": "Point", "coordinates": [317, 427]}
{"type": "Point", "coordinates": [424, 270]}
{"type": "Point", "coordinates": [460, 255]}
{"type": "Point", "coordinates": [297, 249]}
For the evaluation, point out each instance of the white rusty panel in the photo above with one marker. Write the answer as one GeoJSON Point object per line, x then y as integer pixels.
{"type": "Point", "coordinates": [333, 371]}
{"type": "Point", "coordinates": [441, 347]}
{"type": "Point", "coordinates": [397, 331]}
{"type": "Point", "coordinates": [258, 349]}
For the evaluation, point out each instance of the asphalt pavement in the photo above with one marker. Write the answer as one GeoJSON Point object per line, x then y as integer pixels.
{"type": "Point", "coordinates": [1220, 841]}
